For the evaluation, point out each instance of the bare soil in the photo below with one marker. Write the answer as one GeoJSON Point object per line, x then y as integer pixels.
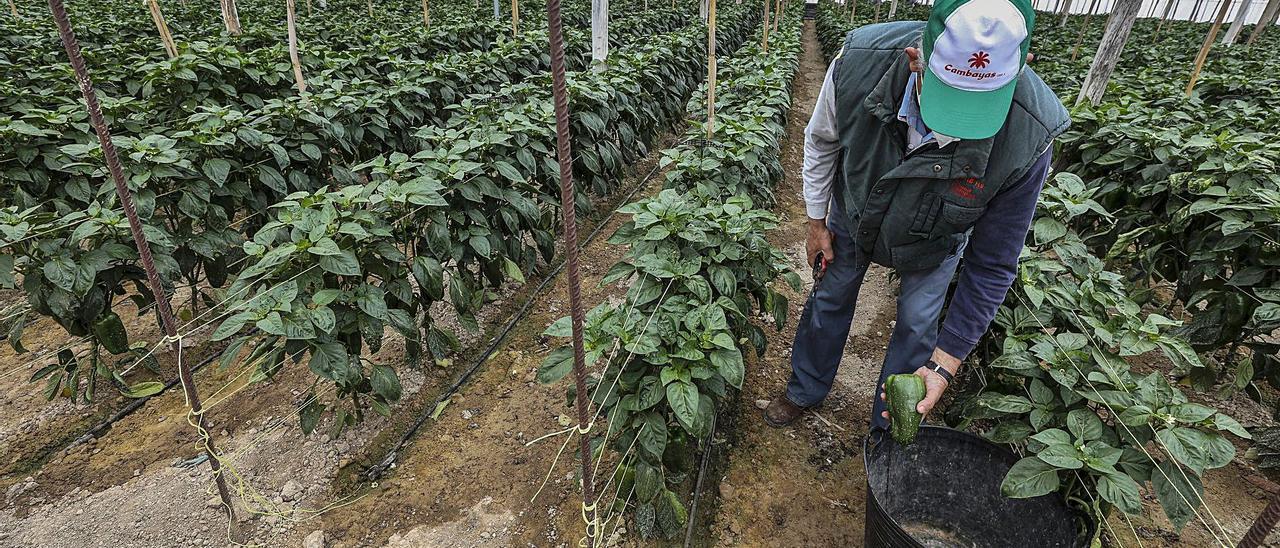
{"type": "Point", "coordinates": [805, 485]}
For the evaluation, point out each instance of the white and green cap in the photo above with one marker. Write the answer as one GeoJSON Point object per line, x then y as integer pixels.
{"type": "Point", "coordinates": [974, 51]}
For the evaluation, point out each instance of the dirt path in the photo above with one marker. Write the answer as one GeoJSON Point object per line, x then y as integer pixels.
{"type": "Point", "coordinates": [803, 485]}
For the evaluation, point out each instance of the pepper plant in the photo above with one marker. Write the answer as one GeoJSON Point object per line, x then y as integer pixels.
{"type": "Point", "coordinates": [698, 270]}
{"type": "Point", "coordinates": [1058, 385]}
{"type": "Point", "coordinates": [1190, 185]}
{"type": "Point", "coordinates": [328, 276]}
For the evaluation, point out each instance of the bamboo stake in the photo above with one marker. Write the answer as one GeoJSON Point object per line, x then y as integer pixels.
{"type": "Point", "coordinates": [163, 28]}
{"type": "Point", "coordinates": [293, 48]}
{"type": "Point", "coordinates": [308, 8]}
{"type": "Point", "coordinates": [853, 9]}
{"type": "Point", "coordinates": [13, 8]}
{"type": "Point", "coordinates": [779, 14]}
{"type": "Point", "coordinates": [599, 34]}
{"type": "Point", "coordinates": [877, 19]}
{"type": "Point", "coordinates": [711, 68]}
{"type": "Point", "coordinates": [1206, 46]}
{"type": "Point", "coordinates": [368, 4]}
{"type": "Point", "coordinates": [515, 18]}
{"type": "Point", "coordinates": [426, 15]}
{"type": "Point", "coordinates": [1168, 10]}
{"type": "Point", "coordinates": [764, 32]}
{"type": "Point", "coordinates": [163, 308]}
{"type": "Point", "coordinates": [1119, 25]}
{"type": "Point", "coordinates": [1268, 15]}
{"type": "Point", "coordinates": [1065, 14]}
{"type": "Point", "coordinates": [893, 9]}
{"type": "Point", "coordinates": [1237, 24]}
{"type": "Point", "coordinates": [230, 16]}
{"type": "Point", "coordinates": [1084, 28]}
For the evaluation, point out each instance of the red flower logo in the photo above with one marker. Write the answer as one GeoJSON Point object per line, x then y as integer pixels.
{"type": "Point", "coordinates": [979, 60]}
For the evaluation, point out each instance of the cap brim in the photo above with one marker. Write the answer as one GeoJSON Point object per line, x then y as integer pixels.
{"type": "Point", "coordinates": [964, 114]}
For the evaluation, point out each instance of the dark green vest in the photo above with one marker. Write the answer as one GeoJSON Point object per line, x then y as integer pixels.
{"type": "Point", "coordinates": [910, 211]}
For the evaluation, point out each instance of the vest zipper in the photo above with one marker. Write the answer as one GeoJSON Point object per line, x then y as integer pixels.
{"type": "Point", "coordinates": [922, 146]}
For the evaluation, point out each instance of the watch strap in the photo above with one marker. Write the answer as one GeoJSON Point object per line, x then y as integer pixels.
{"type": "Point", "coordinates": [941, 371]}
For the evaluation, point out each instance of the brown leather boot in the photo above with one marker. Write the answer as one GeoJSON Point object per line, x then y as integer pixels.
{"type": "Point", "coordinates": [781, 412]}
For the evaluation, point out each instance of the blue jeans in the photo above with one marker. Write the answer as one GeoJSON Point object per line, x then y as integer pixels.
{"type": "Point", "coordinates": [828, 315]}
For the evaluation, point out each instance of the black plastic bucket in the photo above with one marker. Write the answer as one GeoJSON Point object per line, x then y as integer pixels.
{"type": "Point", "coordinates": [943, 491]}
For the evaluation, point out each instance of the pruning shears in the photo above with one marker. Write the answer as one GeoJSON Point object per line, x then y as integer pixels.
{"type": "Point", "coordinates": [819, 267]}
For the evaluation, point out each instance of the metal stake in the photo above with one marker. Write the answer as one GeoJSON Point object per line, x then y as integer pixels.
{"type": "Point", "coordinates": [144, 252]}
{"type": "Point", "coordinates": [567, 210]}
{"type": "Point", "coordinates": [1261, 527]}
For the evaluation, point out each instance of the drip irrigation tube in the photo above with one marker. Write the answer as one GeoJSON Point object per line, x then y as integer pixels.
{"type": "Point", "coordinates": [376, 471]}
{"type": "Point", "coordinates": [104, 426]}
{"type": "Point", "coordinates": [697, 486]}
{"type": "Point", "coordinates": [135, 405]}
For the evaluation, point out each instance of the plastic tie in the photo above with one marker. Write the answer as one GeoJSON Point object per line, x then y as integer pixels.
{"type": "Point", "coordinates": [593, 523]}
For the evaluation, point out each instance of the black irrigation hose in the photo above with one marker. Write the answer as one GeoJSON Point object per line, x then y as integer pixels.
{"type": "Point", "coordinates": [697, 487]}
{"type": "Point", "coordinates": [134, 405]}
{"type": "Point", "coordinates": [376, 471]}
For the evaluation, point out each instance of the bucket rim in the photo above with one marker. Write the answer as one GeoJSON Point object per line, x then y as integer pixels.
{"type": "Point", "coordinates": [1090, 525]}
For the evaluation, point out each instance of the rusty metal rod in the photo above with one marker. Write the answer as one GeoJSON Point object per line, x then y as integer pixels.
{"type": "Point", "coordinates": [1263, 525]}
{"type": "Point", "coordinates": [567, 210]}
{"type": "Point", "coordinates": [144, 252]}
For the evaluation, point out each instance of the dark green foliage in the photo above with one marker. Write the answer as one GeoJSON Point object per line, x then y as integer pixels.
{"type": "Point", "coordinates": [698, 269]}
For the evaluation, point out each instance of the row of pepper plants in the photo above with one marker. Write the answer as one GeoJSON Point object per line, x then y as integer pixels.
{"type": "Point", "coordinates": [206, 163]}
{"type": "Point", "coordinates": [698, 268]}
{"type": "Point", "coordinates": [1058, 379]}
{"type": "Point", "coordinates": [1183, 194]}
{"type": "Point", "coordinates": [474, 207]}
{"type": "Point", "coordinates": [1189, 188]}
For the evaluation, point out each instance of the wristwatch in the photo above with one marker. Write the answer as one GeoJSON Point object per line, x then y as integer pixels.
{"type": "Point", "coordinates": [940, 370]}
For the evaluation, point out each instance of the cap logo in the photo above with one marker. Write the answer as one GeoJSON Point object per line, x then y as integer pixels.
{"type": "Point", "coordinates": [979, 47]}
{"type": "Point", "coordinates": [979, 59]}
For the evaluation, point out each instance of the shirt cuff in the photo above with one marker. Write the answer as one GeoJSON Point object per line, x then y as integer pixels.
{"type": "Point", "coordinates": [955, 345]}
{"type": "Point", "coordinates": [816, 210]}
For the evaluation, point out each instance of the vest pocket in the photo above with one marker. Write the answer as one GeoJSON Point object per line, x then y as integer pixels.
{"type": "Point", "coordinates": [926, 215]}
{"type": "Point", "coordinates": [960, 216]}
{"type": "Point", "coordinates": [921, 255]}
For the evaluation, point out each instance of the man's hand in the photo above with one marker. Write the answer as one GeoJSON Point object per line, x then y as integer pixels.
{"type": "Point", "coordinates": [819, 240]}
{"type": "Point", "coordinates": [934, 384]}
